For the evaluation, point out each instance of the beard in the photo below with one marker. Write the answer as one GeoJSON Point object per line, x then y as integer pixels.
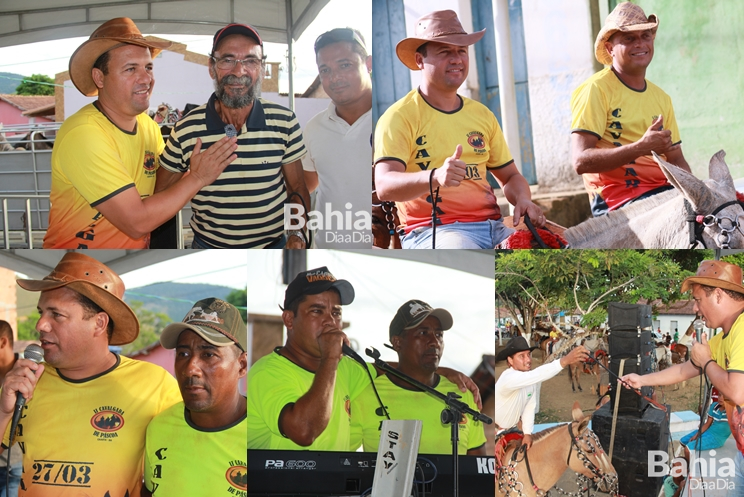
{"type": "Point", "coordinates": [237, 101]}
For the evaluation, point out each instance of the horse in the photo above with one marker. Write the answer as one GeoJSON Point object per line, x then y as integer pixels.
{"type": "Point", "coordinates": [573, 445]}
{"type": "Point", "coordinates": [694, 213]}
{"type": "Point", "coordinates": [663, 357]}
{"type": "Point", "coordinates": [679, 353]}
{"type": "Point", "coordinates": [590, 367]}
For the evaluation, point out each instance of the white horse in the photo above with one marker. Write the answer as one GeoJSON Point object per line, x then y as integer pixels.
{"type": "Point", "coordinates": [661, 221]}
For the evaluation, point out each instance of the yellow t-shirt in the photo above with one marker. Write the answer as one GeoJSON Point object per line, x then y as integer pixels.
{"type": "Point", "coordinates": [421, 137]}
{"type": "Point", "coordinates": [618, 115]}
{"type": "Point", "coordinates": [274, 381]}
{"type": "Point", "coordinates": [87, 437]}
{"type": "Point", "coordinates": [92, 161]}
{"type": "Point", "coordinates": [367, 417]}
{"type": "Point", "coordinates": [728, 352]}
{"type": "Point", "coordinates": [183, 460]}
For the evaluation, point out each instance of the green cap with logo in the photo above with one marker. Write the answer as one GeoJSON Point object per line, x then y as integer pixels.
{"type": "Point", "coordinates": [216, 321]}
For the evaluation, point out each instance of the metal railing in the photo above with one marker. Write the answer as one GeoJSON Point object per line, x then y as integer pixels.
{"type": "Point", "coordinates": [24, 236]}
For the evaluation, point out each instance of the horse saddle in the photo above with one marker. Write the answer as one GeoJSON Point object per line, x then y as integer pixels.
{"type": "Point", "coordinates": [505, 440]}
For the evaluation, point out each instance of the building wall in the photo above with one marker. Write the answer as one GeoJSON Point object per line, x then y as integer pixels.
{"type": "Point", "coordinates": [10, 114]}
{"type": "Point", "coordinates": [697, 56]}
{"type": "Point", "coordinates": [560, 55]}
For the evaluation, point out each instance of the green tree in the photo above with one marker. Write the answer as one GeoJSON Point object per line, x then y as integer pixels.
{"type": "Point", "coordinates": [239, 298]}
{"type": "Point", "coordinates": [583, 281]}
{"type": "Point", "coordinates": [151, 325]}
{"type": "Point", "coordinates": [31, 86]}
{"type": "Point", "coordinates": [27, 327]}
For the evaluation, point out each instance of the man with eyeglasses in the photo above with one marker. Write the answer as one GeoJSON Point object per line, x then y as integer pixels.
{"type": "Point", "coordinates": [339, 148]}
{"type": "Point", "coordinates": [244, 207]}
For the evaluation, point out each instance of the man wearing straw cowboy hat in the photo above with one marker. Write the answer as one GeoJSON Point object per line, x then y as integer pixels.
{"type": "Point", "coordinates": [106, 154]}
{"type": "Point", "coordinates": [516, 388]}
{"type": "Point", "coordinates": [719, 298]}
{"type": "Point", "coordinates": [83, 425]}
{"type": "Point", "coordinates": [210, 360]}
{"type": "Point", "coordinates": [619, 118]}
{"type": "Point", "coordinates": [434, 139]}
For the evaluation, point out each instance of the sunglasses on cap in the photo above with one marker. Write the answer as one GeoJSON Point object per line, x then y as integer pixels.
{"type": "Point", "coordinates": [339, 34]}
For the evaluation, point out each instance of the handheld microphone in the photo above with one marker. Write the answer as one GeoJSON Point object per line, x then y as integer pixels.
{"type": "Point", "coordinates": [698, 326]}
{"type": "Point", "coordinates": [349, 352]}
{"type": "Point", "coordinates": [33, 353]}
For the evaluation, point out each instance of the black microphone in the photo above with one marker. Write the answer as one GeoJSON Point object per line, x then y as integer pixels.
{"type": "Point", "coordinates": [33, 353]}
{"type": "Point", "coordinates": [349, 352]}
{"type": "Point", "coordinates": [698, 326]}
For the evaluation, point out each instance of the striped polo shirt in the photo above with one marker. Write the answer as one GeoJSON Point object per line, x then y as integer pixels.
{"type": "Point", "coordinates": [244, 207]}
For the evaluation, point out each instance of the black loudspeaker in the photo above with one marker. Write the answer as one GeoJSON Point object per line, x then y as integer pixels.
{"type": "Point", "coordinates": [634, 437]}
{"type": "Point", "coordinates": [624, 317]}
{"type": "Point", "coordinates": [630, 402]}
{"type": "Point", "coordinates": [630, 343]}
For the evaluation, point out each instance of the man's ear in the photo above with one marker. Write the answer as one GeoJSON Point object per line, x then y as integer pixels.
{"type": "Point", "coordinates": [97, 75]}
{"type": "Point", "coordinates": [395, 342]}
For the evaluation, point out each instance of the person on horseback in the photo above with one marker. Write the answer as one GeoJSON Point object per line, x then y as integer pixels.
{"type": "Point", "coordinates": [619, 118]}
{"type": "Point", "coordinates": [516, 388]}
{"type": "Point", "coordinates": [719, 297]}
{"type": "Point", "coordinates": [435, 140]}
{"type": "Point", "coordinates": [417, 335]}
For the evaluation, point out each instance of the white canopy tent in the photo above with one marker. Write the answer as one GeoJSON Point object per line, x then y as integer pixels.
{"type": "Point", "coordinates": [278, 21]}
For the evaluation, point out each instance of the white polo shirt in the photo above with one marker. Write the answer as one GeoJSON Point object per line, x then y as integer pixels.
{"type": "Point", "coordinates": [341, 154]}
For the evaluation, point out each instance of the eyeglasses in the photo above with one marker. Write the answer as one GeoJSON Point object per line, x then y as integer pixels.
{"type": "Point", "coordinates": [339, 34]}
{"type": "Point", "coordinates": [228, 63]}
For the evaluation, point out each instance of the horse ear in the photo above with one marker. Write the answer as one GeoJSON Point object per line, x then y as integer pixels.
{"type": "Point", "coordinates": [576, 412]}
{"type": "Point", "coordinates": [692, 188]}
{"type": "Point", "coordinates": [718, 170]}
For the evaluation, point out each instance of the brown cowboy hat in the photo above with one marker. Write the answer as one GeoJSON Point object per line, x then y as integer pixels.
{"type": "Point", "coordinates": [625, 17]}
{"type": "Point", "coordinates": [717, 274]}
{"type": "Point", "coordinates": [111, 34]}
{"type": "Point", "coordinates": [93, 279]}
{"type": "Point", "coordinates": [441, 26]}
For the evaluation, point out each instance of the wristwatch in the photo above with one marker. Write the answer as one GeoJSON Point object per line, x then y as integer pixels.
{"type": "Point", "coordinates": [298, 233]}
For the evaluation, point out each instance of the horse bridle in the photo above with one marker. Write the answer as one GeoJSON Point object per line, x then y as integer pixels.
{"type": "Point", "coordinates": [697, 224]}
{"type": "Point", "coordinates": [598, 475]}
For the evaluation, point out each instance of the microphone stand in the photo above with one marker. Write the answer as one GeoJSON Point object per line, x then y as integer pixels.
{"type": "Point", "coordinates": [450, 415]}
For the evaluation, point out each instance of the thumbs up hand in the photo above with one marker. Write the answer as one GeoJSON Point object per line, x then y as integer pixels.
{"type": "Point", "coordinates": [452, 171]}
{"type": "Point", "coordinates": [657, 138]}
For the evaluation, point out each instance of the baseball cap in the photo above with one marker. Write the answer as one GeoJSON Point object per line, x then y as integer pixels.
{"type": "Point", "coordinates": [413, 312]}
{"type": "Point", "coordinates": [236, 29]}
{"type": "Point", "coordinates": [316, 281]}
{"type": "Point", "coordinates": [216, 321]}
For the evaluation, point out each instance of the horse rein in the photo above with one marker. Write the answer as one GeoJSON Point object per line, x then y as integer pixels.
{"type": "Point", "coordinates": [697, 224]}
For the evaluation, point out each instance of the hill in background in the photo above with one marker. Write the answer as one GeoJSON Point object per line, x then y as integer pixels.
{"type": "Point", "coordinates": [174, 299]}
{"type": "Point", "coordinates": [9, 81]}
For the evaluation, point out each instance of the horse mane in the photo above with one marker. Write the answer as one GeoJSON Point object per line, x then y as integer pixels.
{"type": "Point", "coordinates": [546, 432]}
{"type": "Point", "coordinates": [608, 222]}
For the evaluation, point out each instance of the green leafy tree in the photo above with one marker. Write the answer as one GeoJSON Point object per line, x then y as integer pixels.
{"type": "Point", "coordinates": [27, 327]}
{"type": "Point", "coordinates": [583, 282]}
{"type": "Point", "coordinates": [31, 86]}
{"type": "Point", "coordinates": [151, 325]}
{"type": "Point", "coordinates": [239, 298]}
